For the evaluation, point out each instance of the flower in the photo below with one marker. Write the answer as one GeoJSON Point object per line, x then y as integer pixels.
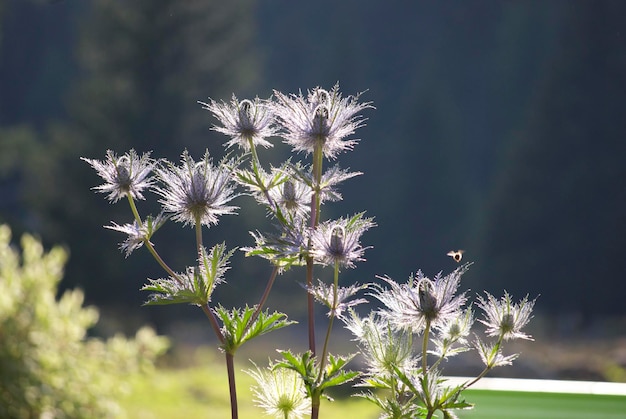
{"type": "Point", "coordinates": [138, 234]}
{"type": "Point", "coordinates": [421, 300]}
{"type": "Point", "coordinates": [321, 119]}
{"type": "Point", "coordinates": [383, 348]}
{"type": "Point", "coordinates": [196, 192]}
{"type": "Point", "coordinates": [280, 392]}
{"type": "Point", "coordinates": [325, 294]}
{"type": "Point", "coordinates": [491, 354]}
{"type": "Point", "coordinates": [454, 331]}
{"type": "Point", "coordinates": [338, 241]}
{"type": "Point", "coordinates": [293, 196]}
{"type": "Point", "coordinates": [505, 319]}
{"type": "Point", "coordinates": [245, 122]}
{"type": "Point", "coordinates": [125, 175]}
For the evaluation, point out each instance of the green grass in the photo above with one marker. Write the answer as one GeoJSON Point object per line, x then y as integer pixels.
{"type": "Point", "coordinates": [202, 392]}
{"type": "Point", "coordinates": [520, 405]}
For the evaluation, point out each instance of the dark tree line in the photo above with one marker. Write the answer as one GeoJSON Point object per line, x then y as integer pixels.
{"type": "Point", "coordinates": [497, 129]}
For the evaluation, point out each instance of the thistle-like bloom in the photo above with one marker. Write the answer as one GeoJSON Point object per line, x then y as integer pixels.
{"type": "Point", "coordinates": [322, 119]}
{"type": "Point", "coordinates": [285, 248]}
{"type": "Point", "coordinates": [137, 235]}
{"type": "Point", "coordinates": [244, 122]}
{"type": "Point", "coordinates": [293, 196]}
{"type": "Point", "coordinates": [454, 331]}
{"type": "Point", "coordinates": [492, 356]}
{"type": "Point", "coordinates": [382, 347]}
{"type": "Point", "coordinates": [126, 174]}
{"type": "Point", "coordinates": [325, 294]}
{"type": "Point", "coordinates": [196, 192]}
{"type": "Point", "coordinates": [338, 241]}
{"type": "Point", "coordinates": [280, 392]}
{"type": "Point", "coordinates": [504, 318]}
{"type": "Point", "coordinates": [422, 300]}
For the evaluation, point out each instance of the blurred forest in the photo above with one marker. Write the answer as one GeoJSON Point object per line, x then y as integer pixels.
{"type": "Point", "coordinates": [499, 129]}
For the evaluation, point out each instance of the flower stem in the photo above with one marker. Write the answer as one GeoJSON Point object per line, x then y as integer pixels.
{"type": "Point", "coordinates": [266, 294]}
{"type": "Point", "coordinates": [315, 217]}
{"type": "Point", "coordinates": [148, 244]}
{"type": "Point", "coordinates": [330, 322]}
{"type": "Point", "coordinates": [425, 347]}
{"type": "Point", "coordinates": [230, 367]}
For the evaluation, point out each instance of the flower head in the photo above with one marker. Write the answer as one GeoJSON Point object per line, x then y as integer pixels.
{"type": "Point", "coordinates": [280, 392]}
{"type": "Point", "coordinates": [321, 119]}
{"type": "Point", "coordinates": [325, 294]}
{"type": "Point", "coordinates": [504, 318]}
{"type": "Point", "coordinates": [138, 234]}
{"type": "Point", "coordinates": [245, 121]}
{"type": "Point", "coordinates": [410, 306]}
{"type": "Point", "coordinates": [338, 241]}
{"type": "Point", "coordinates": [196, 192]}
{"type": "Point", "coordinates": [123, 175]}
{"type": "Point", "coordinates": [383, 348]}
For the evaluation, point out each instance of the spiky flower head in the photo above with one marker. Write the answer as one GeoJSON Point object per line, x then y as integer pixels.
{"type": "Point", "coordinates": [338, 241]}
{"type": "Point", "coordinates": [138, 234]}
{"type": "Point", "coordinates": [451, 337]}
{"type": "Point", "coordinates": [504, 318]}
{"type": "Point", "coordinates": [245, 121]}
{"type": "Point", "coordinates": [280, 392]}
{"type": "Point", "coordinates": [196, 191]}
{"type": "Point", "coordinates": [292, 196]}
{"type": "Point", "coordinates": [382, 347]}
{"type": "Point", "coordinates": [337, 301]}
{"type": "Point", "coordinates": [322, 118]}
{"type": "Point", "coordinates": [123, 175]}
{"type": "Point", "coordinates": [422, 300]}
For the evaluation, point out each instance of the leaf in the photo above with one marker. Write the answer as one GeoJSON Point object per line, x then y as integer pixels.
{"type": "Point", "coordinates": [240, 327]}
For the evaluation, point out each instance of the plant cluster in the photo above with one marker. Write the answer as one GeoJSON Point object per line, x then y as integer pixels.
{"type": "Point", "coordinates": [48, 368]}
{"type": "Point", "coordinates": [194, 193]}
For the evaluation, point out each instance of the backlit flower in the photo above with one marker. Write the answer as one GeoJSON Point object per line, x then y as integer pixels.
{"type": "Point", "coordinates": [196, 191]}
{"type": "Point", "coordinates": [244, 122]}
{"type": "Point", "coordinates": [338, 241]}
{"type": "Point", "coordinates": [126, 174]}
{"type": "Point", "coordinates": [321, 119]}
{"type": "Point", "coordinates": [504, 318]}
{"type": "Point", "coordinates": [422, 300]}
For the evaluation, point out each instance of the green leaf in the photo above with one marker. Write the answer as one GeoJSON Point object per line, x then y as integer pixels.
{"type": "Point", "coordinates": [239, 326]}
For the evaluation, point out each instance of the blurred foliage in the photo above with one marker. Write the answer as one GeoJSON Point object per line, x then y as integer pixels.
{"type": "Point", "coordinates": [48, 367]}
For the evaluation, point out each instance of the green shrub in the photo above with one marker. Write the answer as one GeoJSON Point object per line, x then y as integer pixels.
{"type": "Point", "coordinates": [48, 367]}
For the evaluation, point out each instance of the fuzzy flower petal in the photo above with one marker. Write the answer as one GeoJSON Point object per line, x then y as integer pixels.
{"type": "Point", "coordinates": [196, 192]}
{"type": "Point", "coordinates": [338, 241]}
{"type": "Point", "coordinates": [280, 392]}
{"type": "Point", "coordinates": [244, 122]}
{"type": "Point", "coordinates": [322, 118]}
{"type": "Point", "coordinates": [126, 174]}
{"type": "Point", "coordinates": [410, 306]}
{"type": "Point", "coordinates": [504, 318]}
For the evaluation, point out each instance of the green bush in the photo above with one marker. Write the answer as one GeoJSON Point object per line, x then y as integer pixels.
{"type": "Point", "coordinates": [48, 367]}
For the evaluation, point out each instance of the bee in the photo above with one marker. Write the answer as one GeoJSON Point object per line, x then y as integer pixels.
{"type": "Point", "coordinates": [457, 255]}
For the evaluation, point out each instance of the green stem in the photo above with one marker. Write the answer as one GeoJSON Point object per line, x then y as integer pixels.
{"type": "Point", "coordinates": [330, 322]}
{"type": "Point", "coordinates": [318, 159]}
{"type": "Point", "coordinates": [488, 368]}
{"type": "Point", "coordinates": [310, 305]}
{"type": "Point", "coordinates": [149, 245]}
{"type": "Point", "coordinates": [257, 176]}
{"type": "Point", "coordinates": [425, 347]}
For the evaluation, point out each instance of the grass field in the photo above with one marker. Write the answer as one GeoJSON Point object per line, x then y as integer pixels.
{"type": "Point", "coordinates": [202, 392]}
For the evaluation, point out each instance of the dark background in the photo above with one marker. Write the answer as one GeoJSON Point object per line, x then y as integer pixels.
{"type": "Point", "coordinates": [499, 129]}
